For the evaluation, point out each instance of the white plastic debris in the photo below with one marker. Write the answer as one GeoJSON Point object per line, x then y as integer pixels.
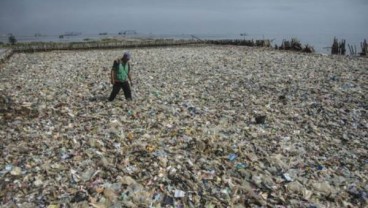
{"type": "Point", "coordinates": [208, 126]}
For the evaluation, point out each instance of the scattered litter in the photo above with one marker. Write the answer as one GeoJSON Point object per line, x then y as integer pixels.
{"type": "Point", "coordinates": [179, 194]}
{"type": "Point", "coordinates": [287, 177]}
{"type": "Point", "coordinates": [211, 126]}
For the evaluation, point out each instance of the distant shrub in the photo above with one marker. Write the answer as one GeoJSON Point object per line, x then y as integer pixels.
{"type": "Point", "coordinates": [338, 47]}
{"type": "Point", "coordinates": [12, 39]}
{"type": "Point", "coordinates": [364, 47]}
{"type": "Point", "coordinates": [295, 45]}
{"type": "Point", "coordinates": [107, 39]}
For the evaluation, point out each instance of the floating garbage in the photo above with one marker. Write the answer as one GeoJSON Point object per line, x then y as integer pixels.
{"type": "Point", "coordinates": [232, 157]}
{"type": "Point", "coordinates": [179, 194]}
{"type": "Point", "coordinates": [287, 177]}
{"type": "Point", "coordinates": [210, 126]}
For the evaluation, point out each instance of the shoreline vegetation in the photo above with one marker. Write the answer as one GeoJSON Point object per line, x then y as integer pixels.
{"type": "Point", "coordinates": [338, 48]}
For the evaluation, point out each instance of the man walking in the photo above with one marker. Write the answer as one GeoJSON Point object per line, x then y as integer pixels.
{"type": "Point", "coordinates": [120, 73]}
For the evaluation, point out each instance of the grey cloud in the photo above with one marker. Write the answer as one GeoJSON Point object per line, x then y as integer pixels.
{"type": "Point", "coordinates": [179, 16]}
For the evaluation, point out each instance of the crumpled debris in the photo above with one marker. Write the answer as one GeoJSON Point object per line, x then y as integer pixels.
{"type": "Point", "coordinates": [210, 126]}
{"type": "Point", "coordinates": [5, 53]}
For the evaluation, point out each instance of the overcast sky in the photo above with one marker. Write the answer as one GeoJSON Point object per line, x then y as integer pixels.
{"type": "Point", "coordinates": [184, 17]}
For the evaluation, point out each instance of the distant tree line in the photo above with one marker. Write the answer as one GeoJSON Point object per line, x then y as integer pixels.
{"type": "Point", "coordinates": [12, 40]}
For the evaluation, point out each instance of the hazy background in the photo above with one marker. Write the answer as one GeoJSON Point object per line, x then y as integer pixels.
{"type": "Point", "coordinates": [312, 21]}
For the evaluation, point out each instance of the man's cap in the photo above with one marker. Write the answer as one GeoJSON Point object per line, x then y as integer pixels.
{"type": "Point", "coordinates": [126, 55]}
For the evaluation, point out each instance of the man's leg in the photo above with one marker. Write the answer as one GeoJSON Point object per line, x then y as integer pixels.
{"type": "Point", "coordinates": [115, 91]}
{"type": "Point", "coordinates": [127, 91]}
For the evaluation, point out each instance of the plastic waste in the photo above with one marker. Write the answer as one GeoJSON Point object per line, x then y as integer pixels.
{"type": "Point", "coordinates": [208, 126]}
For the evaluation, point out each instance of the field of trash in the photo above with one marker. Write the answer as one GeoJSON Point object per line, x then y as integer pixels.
{"type": "Point", "coordinates": [209, 126]}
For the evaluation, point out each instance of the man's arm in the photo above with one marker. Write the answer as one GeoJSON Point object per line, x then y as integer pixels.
{"type": "Point", "coordinates": [129, 75]}
{"type": "Point", "coordinates": [112, 76]}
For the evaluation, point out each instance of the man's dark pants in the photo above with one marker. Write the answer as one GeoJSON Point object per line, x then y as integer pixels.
{"type": "Point", "coordinates": [116, 89]}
